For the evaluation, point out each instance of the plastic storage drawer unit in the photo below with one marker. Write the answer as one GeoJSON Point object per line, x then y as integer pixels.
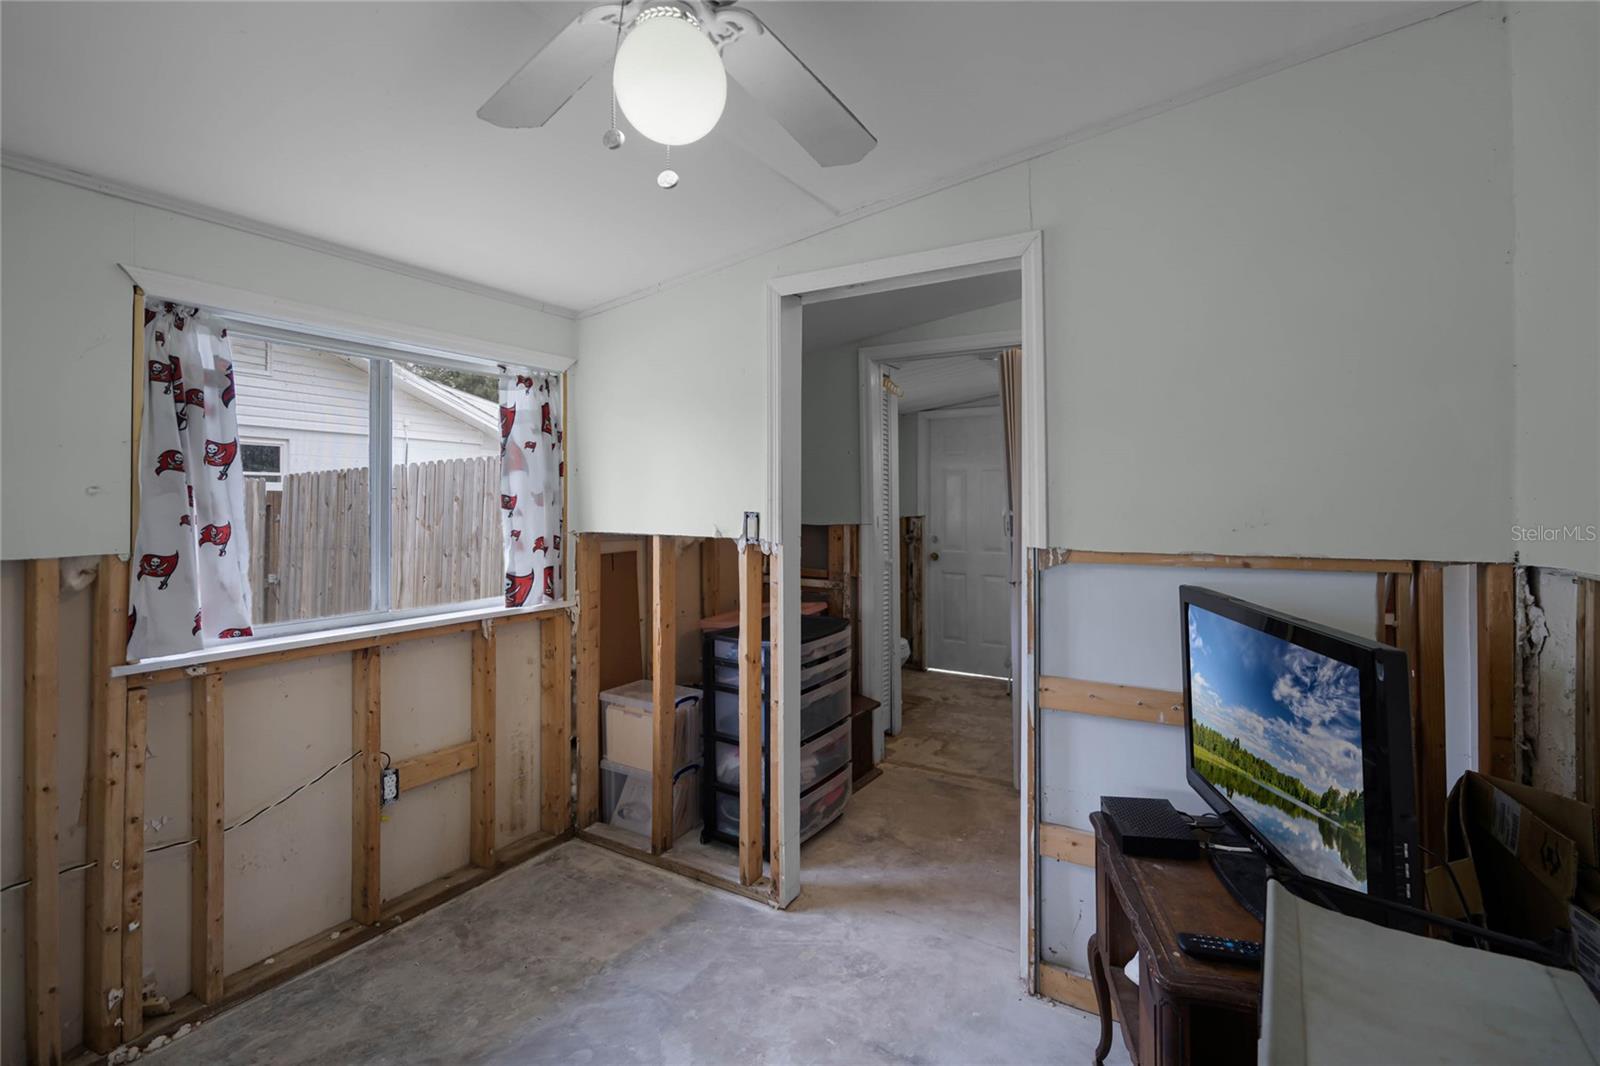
{"type": "Point", "coordinates": [818, 759]}
{"type": "Point", "coordinates": [818, 808]}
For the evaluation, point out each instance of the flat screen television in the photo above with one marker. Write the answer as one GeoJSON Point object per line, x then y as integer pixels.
{"type": "Point", "coordinates": [1299, 736]}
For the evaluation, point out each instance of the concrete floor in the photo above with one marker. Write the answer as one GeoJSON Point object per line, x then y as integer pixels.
{"type": "Point", "coordinates": [901, 948]}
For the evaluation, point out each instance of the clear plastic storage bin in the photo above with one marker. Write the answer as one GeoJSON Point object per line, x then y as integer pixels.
{"type": "Point", "coordinates": [626, 798]}
{"type": "Point", "coordinates": [627, 716]}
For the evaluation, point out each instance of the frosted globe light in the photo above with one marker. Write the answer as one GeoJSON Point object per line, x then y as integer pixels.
{"type": "Point", "coordinates": [669, 78]}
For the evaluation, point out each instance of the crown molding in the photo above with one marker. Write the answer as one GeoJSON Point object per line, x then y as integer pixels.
{"type": "Point", "coordinates": [189, 209]}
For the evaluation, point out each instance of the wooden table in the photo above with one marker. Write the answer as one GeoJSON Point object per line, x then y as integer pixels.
{"type": "Point", "coordinates": [1183, 1009]}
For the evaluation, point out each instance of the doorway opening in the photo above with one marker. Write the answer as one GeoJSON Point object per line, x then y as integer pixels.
{"type": "Point", "coordinates": [906, 412]}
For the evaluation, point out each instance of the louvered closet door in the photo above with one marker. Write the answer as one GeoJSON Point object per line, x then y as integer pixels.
{"type": "Point", "coordinates": [968, 587]}
{"type": "Point", "coordinates": [885, 525]}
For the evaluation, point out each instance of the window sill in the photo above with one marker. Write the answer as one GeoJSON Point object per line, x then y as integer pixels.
{"type": "Point", "coordinates": [368, 631]}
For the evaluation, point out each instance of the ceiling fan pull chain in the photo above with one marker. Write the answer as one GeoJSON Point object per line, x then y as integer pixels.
{"type": "Point", "coordinates": [668, 178]}
{"type": "Point", "coordinates": [613, 137]}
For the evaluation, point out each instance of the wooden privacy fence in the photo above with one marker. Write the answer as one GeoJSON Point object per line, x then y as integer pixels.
{"type": "Point", "coordinates": [310, 546]}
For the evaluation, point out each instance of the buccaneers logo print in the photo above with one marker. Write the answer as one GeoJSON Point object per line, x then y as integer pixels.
{"type": "Point", "coordinates": [545, 422]}
{"type": "Point", "coordinates": [133, 612]}
{"type": "Point", "coordinates": [526, 382]}
{"type": "Point", "coordinates": [549, 582]}
{"type": "Point", "coordinates": [171, 459]}
{"type": "Point", "coordinates": [517, 588]}
{"type": "Point", "coordinates": [539, 545]}
{"type": "Point", "coordinates": [196, 630]}
{"type": "Point", "coordinates": [231, 634]}
{"type": "Point", "coordinates": [166, 374]}
{"type": "Point", "coordinates": [221, 454]}
{"type": "Point", "coordinates": [508, 503]}
{"type": "Point", "coordinates": [211, 533]}
{"type": "Point", "coordinates": [508, 418]}
{"type": "Point", "coordinates": [227, 392]}
{"type": "Point", "coordinates": [162, 566]}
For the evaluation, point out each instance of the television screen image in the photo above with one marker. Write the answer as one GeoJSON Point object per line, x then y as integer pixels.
{"type": "Point", "coordinates": [1276, 728]}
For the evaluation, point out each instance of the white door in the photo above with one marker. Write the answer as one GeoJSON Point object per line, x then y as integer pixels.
{"type": "Point", "coordinates": [968, 589]}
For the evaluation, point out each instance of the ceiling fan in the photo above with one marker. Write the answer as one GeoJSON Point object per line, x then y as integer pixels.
{"type": "Point", "coordinates": [672, 59]}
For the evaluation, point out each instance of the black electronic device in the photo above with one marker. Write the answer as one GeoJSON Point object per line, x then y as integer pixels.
{"type": "Point", "coordinates": [1149, 828]}
{"type": "Point", "coordinates": [1221, 948]}
{"type": "Point", "coordinates": [1300, 737]}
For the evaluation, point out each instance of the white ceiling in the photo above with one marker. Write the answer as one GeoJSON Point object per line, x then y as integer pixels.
{"type": "Point", "coordinates": [927, 384]}
{"type": "Point", "coordinates": [832, 323]}
{"type": "Point", "coordinates": [354, 123]}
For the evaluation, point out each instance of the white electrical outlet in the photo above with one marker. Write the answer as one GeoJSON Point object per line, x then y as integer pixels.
{"type": "Point", "coordinates": [390, 790]}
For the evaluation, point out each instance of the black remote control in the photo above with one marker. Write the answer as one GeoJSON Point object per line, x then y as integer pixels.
{"type": "Point", "coordinates": [1221, 949]}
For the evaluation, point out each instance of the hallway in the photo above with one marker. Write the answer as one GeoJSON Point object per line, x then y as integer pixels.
{"type": "Point", "coordinates": [901, 948]}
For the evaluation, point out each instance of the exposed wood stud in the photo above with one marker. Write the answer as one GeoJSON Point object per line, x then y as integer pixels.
{"type": "Point", "coordinates": [555, 725]}
{"type": "Point", "coordinates": [710, 578]}
{"type": "Point", "coordinates": [483, 700]}
{"type": "Point", "coordinates": [1158, 706]}
{"type": "Point", "coordinates": [750, 760]}
{"type": "Point", "coordinates": [102, 970]}
{"type": "Point", "coordinates": [1067, 987]}
{"type": "Point", "coordinates": [664, 675]}
{"type": "Point", "coordinates": [1066, 845]}
{"type": "Point", "coordinates": [41, 697]}
{"type": "Point", "coordinates": [588, 679]}
{"type": "Point", "coordinates": [1497, 636]}
{"type": "Point", "coordinates": [1028, 778]}
{"type": "Point", "coordinates": [1058, 556]}
{"type": "Point", "coordinates": [1430, 715]}
{"type": "Point", "coordinates": [366, 737]}
{"type": "Point", "coordinates": [133, 869]}
{"type": "Point", "coordinates": [1587, 705]}
{"type": "Point", "coordinates": [205, 825]}
{"type": "Point", "coordinates": [777, 710]}
{"type": "Point", "coordinates": [420, 770]}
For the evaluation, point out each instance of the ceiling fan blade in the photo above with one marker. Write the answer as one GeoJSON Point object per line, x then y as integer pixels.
{"type": "Point", "coordinates": [555, 73]}
{"type": "Point", "coordinates": [814, 117]}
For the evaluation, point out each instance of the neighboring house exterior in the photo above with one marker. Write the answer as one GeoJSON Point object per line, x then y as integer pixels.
{"type": "Point", "coordinates": [302, 410]}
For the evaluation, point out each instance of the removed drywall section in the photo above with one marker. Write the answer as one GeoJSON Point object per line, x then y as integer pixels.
{"type": "Point", "coordinates": [1555, 107]}
{"type": "Point", "coordinates": [68, 315]}
{"type": "Point", "coordinates": [427, 686]}
{"type": "Point", "coordinates": [1548, 696]}
{"type": "Point", "coordinates": [282, 726]}
{"type": "Point", "coordinates": [167, 780]}
{"type": "Point", "coordinates": [12, 1007]}
{"type": "Point", "coordinates": [1120, 624]}
{"type": "Point", "coordinates": [517, 741]}
{"type": "Point", "coordinates": [72, 731]}
{"type": "Point", "coordinates": [1285, 307]}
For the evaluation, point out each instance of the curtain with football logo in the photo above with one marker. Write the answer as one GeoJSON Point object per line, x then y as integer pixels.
{"type": "Point", "coordinates": [189, 585]}
{"type": "Point", "coordinates": [532, 480]}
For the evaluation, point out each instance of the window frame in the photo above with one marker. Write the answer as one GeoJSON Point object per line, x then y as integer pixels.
{"type": "Point", "coordinates": [380, 360]}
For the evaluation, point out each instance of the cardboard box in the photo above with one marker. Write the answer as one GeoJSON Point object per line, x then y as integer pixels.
{"type": "Point", "coordinates": [628, 737]}
{"type": "Point", "coordinates": [1532, 854]}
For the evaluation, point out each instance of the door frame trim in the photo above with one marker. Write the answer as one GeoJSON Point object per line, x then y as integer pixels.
{"type": "Point", "coordinates": [781, 523]}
